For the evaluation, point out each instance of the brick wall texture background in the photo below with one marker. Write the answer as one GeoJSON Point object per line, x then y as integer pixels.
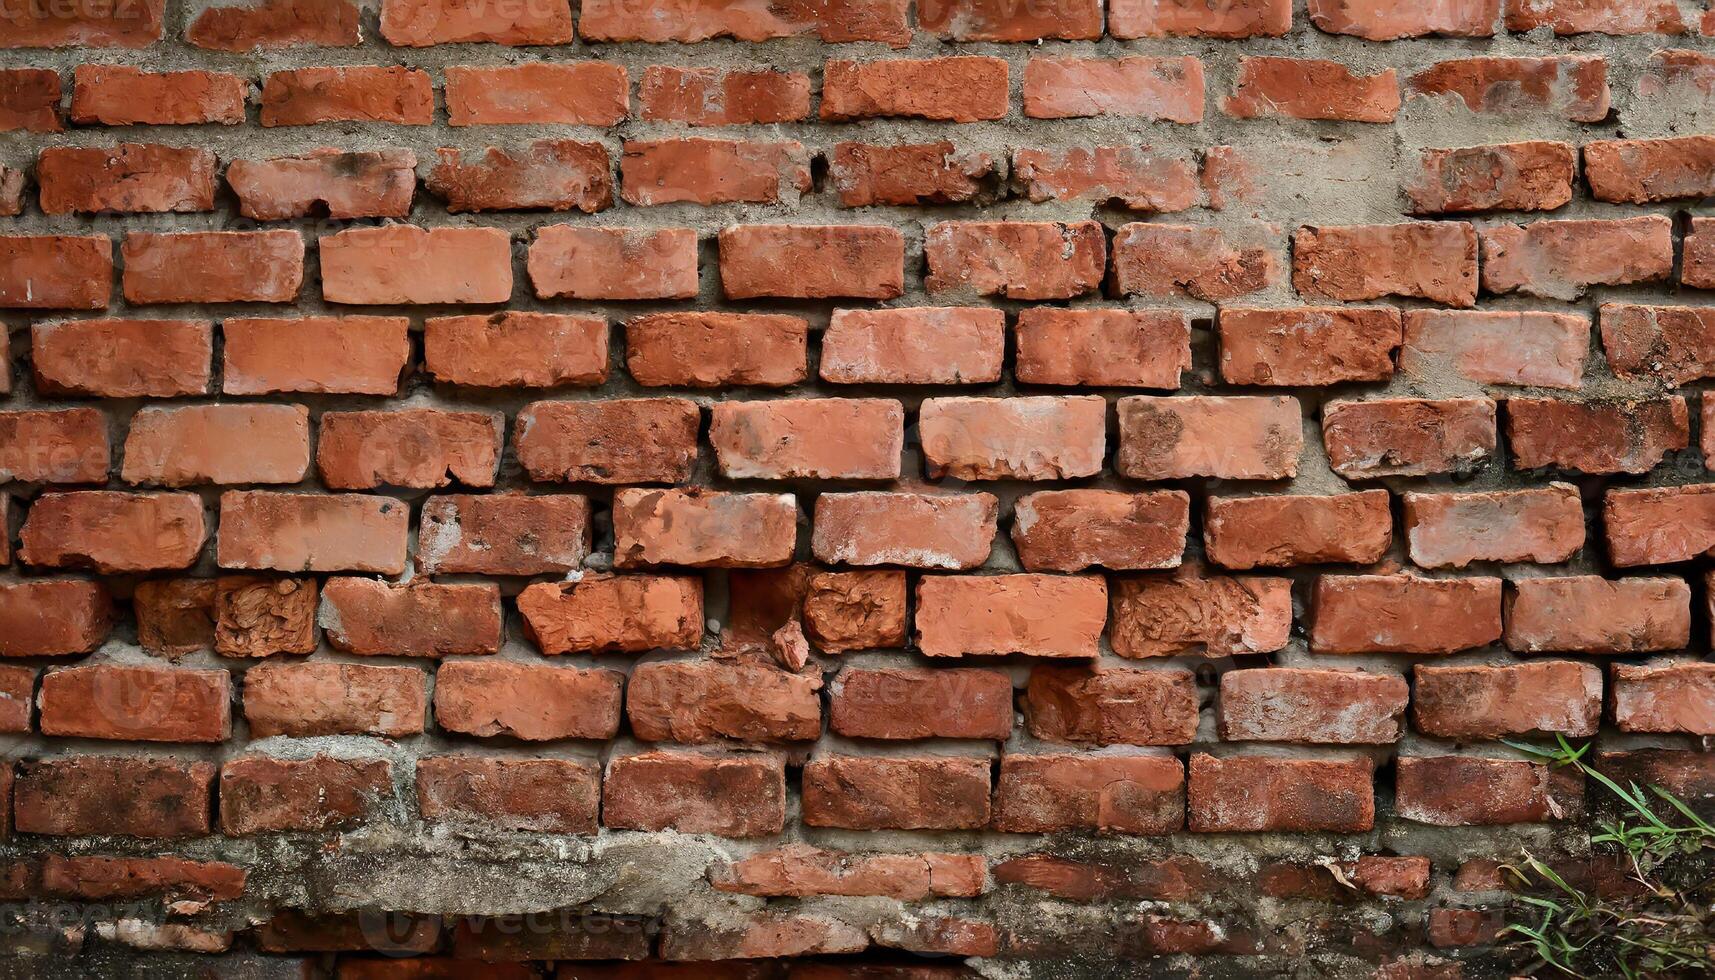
{"type": "Point", "coordinates": [842, 488]}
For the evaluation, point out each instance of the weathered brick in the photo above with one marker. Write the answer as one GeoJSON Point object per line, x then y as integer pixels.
{"type": "Point", "coordinates": [910, 173]}
{"type": "Point", "coordinates": [276, 24]}
{"type": "Point", "coordinates": [993, 20]}
{"type": "Point", "coordinates": [711, 350]}
{"type": "Point", "coordinates": [1019, 260]}
{"type": "Point", "coordinates": [911, 703]}
{"type": "Point", "coordinates": [231, 267]}
{"type": "Point", "coordinates": [516, 349]}
{"type": "Point", "coordinates": [567, 262]}
{"type": "Point", "coordinates": [1542, 698]}
{"type": "Point", "coordinates": [546, 175]}
{"type": "Point", "coordinates": [1402, 614]}
{"type": "Point", "coordinates": [1193, 613]}
{"type": "Point", "coordinates": [1674, 344]}
{"type": "Point", "coordinates": [414, 447]}
{"type": "Point", "coordinates": [846, 611]}
{"type": "Point", "coordinates": [1256, 793]}
{"type": "Point", "coordinates": [703, 529]}
{"type": "Point", "coordinates": [122, 358]}
{"type": "Point", "coordinates": [1408, 436]}
{"type": "Point", "coordinates": [323, 698]}
{"type": "Point", "coordinates": [713, 171]}
{"type": "Point", "coordinates": [799, 870]}
{"type": "Point", "coordinates": [260, 793]}
{"type": "Point", "coordinates": [1228, 19]}
{"type": "Point", "coordinates": [658, 20]}
{"type": "Point", "coordinates": [1071, 530]}
{"type": "Point", "coordinates": [896, 792]}
{"type": "Point", "coordinates": [131, 796]}
{"type": "Point", "coordinates": [709, 700]}
{"type": "Point", "coordinates": [1118, 348]}
{"type": "Point", "coordinates": [547, 796]}
{"type": "Point", "coordinates": [534, 702]}
{"type": "Point", "coordinates": [130, 178]}
{"type": "Point", "coordinates": [406, 264]}
{"type": "Point", "coordinates": [1227, 437]}
{"type": "Point", "coordinates": [115, 25]}
{"type": "Point", "coordinates": [718, 97]}
{"type": "Point", "coordinates": [113, 532]}
{"type": "Point", "coordinates": [587, 93]}
{"type": "Point", "coordinates": [1113, 791]}
{"type": "Point", "coordinates": [116, 95]}
{"type": "Point", "coordinates": [1659, 526]}
{"type": "Point", "coordinates": [1023, 438]}
{"type": "Point", "coordinates": [421, 619]}
{"type": "Point", "coordinates": [1195, 262]}
{"type": "Point", "coordinates": [1308, 88]}
{"type": "Point", "coordinates": [1177, 878]}
{"type": "Point", "coordinates": [918, 345]}
{"type": "Point", "coordinates": [17, 692]}
{"type": "Point", "coordinates": [1450, 530]}
{"type": "Point", "coordinates": [307, 532]}
{"type": "Point", "coordinates": [1307, 346]}
{"type": "Point", "coordinates": [812, 261]}
{"type": "Point", "coordinates": [696, 793]}
{"type": "Point", "coordinates": [1590, 614]}
{"type": "Point", "coordinates": [1136, 178]}
{"type": "Point", "coordinates": [1389, 22]}
{"type": "Point", "coordinates": [1533, 176]}
{"type": "Point", "coordinates": [1156, 88]}
{"type": "Point", "coordinates": [1540, 350]}
{"type": "Point", "coordinates": [1561, 259]}
{"type": "Point", "coordinates": [53, 617]}
{"type": "Point", "coordinates": [359, 355]}
{"type": "Point", "coordinates": [1573, 87]}
{"type": "Point", "coordinates": [348, 184]}
{"type": "Point", "coordinates": [260, 617]}
{"type": "Point", "coordinates": [422, 23]}
{"type": "Point", "coordinates": [1463, 791]}
{"type": "Point", "coordinates": [1590, 437]}
{"type": "Point", "coordinates": [377, 94]}
{"type": "Point", "coordinates": [1596, 16]}
{"type": "Point", "coordinates": [503, 534]}
{"type": "Point", "coordinates": [66, 446]}
{"type": "Point", "coordinates": [808, 438]}
{"type": "Point", "coordinates": [30, 100]}
{"type": "Point", "coordinates": [1697, 267]}
{"type": "Point", "coordinates": [55, 272]}
{"type": "Point", "coordinates": [621, 440]}
{"type": "Point", "coordinates": [204, 444]}
{"type": "Point", "coordinates": [1034, 615]}
{"type": "Point", "coordinates": [614, 613]}
{"type": "Point", "coordinates": [912, 530]}
{"type": "Point", "coordinates": [136, 703]}
{"type": "Point", "coordinates": [959, 90]}
{"type": "Point", "coordinates": [1432, 260]}
{"type": "Point", "coordinates": [1289, 529]}
{"type": "Point", "coordinates": [1292, 704]}
{"type": "Point", "coordinates": [1111, 706]}
{"type": "Point", "coordinates": [97, 878]}
{"type": "Point", "coordinates": [1665, 696]}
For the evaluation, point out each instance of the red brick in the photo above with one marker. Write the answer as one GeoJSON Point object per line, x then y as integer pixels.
{"type": "Point", "coordinates": [1534, 176]}
{"type": "Point", "coordinates": [708, 700]}
{"type": "Point", "coordinates": [30, 100]}
{"type": "Point", "coordinates": [1256, 793]}
{"type": "Point", "coordinates": [1308, 88]}
{"type": "Point", "coordinates": [761, 935]}
{"type": "Point", "coordinates": [1025, 438]}
{"type": "Point", "coordinates": [1226, 19]}
{"type": "Point", "coordinates": [1132, 348]}
{"type": "Point", "coordinates": [716, 97]}
{"type": "Point", "coordinates": [67, 446]}
{"type": "Point", "coordinates": [912, 530]}
{"type": "Point", "coordinates": [11, 205]}
{"type": "Point", "coordinates": [921, 345]}
{"type": "Point", "coordinates": [534, 702]}
{"type": "Point", "coordinates": [122, 358]}
{"type": "Point", "coordinates": [503, 534]}
{"type": "Point", "coordinates": [1307, 346]}
{"type": "Point", "coordinates": [1595, 16]}
{"type": "Point", "coordinates": [912, 703]}
{"type": "Point", "coordinates": [115, 25]}
{"type": "Point", "coordinates": [1573, 87]}
{"type": "Point", "coordinates": [356, 184]}
{"type": "Point", "coordinates": [407, 264]}
{"type": "Point", "coordinates": [1384, 21]}
{"type": "Point", "coordinates": [516, 349]}
{"type": "Point", "coordinates": [1590, 614]}
{"type": "Point", "coordinates": [808, 438]}
{"type": "Point", "coordinates": [1033, 615]}
{"type": "Point", "coordinates": [802, 871]}
{"type": "Point", "coordinates": [1159, 89]}
{"type": "Point", "coordinates": [1461, 791]}
{"type": "Point", "coordinates": [175, 616]}
{"type": "Point", "coordinates": [1402, 614]}
{"type": "Point", "coordinates": [136, 703]}
{"type": "Point", "coordinates": [546, 796]}
{"type": "Point", "coordinates": [276, 24]}
{"type": "Point", "coordinates": [812, 261]}
{"type": "Point", "coordinates": [1137, 178]}
{"type": "Point", "coordinates": [959, 90]}
{"type": "Point", "coordinates": [910, 173]}
{"type": "Point", "coordinates": [846, 611]}
{"type": "Point", "coordinates": [1542, 698]}
{"type": "Point", "coordinates": [1230, 438]}
{"type": "Point", "coordinates": [567, 262]}
{"type": "Point", "coordinates": [1659, 526]}
{"type": "Point", "coordinates": [703, 529]}
{"type": "Point", "coordinates": [1606, 437]}
{"type": "Point", "coordinates": [1697, 269]}
{"type": "Point", "coordinates": [711, 350]}
{"type": "Point", "coordinates": [1071, 530]}
{"type": "Point", "coordinates": [1111, 706]}
{"type": "Point", "coordinates": [996, 20]}
{"type": "Point", "coordinates": [1673, 344]}
{"type": "Point", "coordinates": [260, 793]}
{"type": "Point", "coordinates": [614, 613]}
{"type": "Point", "coordinates": [17, 693]}
{"type": "Point", "coordinates": [53, 617]}
{"type": "Point", "coordinates": [114, 95]}
{"type": "Point", "coordinates": [1374, 875]}
{"type": "Point", "coordinates": [173, 879]}
{"type": "Point", "coordinates": [356, 355]}
{"type": "Point", "coordinates": [1561, 259]}
{"type": "Point", "coordinates": [260, 617]}
{"type": "Point", "coordinates": [308, 532]}
{"type": "Point", "coordinates": [896, 792]}
{"type": "Point", "coordinates": [1185, 261]}
{"type": "Point", "coordinates": [1646, 171]}
{"type": "Point", "coordinates": [659, 20]}
{"type": "Point", "coordinates": [1016, 259]}
{"type": "Point", "coordinates": [131, 178]}
{"type": "Point", "coordinates": [113, 532]}
{"type": "Point", "coordinates": [306, 96]}
{"type": "Point", "coordinates": [1194, 613]}
{"type": "Point", "coordinates": [422, 23]}
{"type": "Point", "coordinates": [1286, 530]}
{"type": "Point", "coordinates": [231, 267]}
{"type": "Point", "coordinates": [1408, 436]}
{"type": "Point", "coordinates": [1432, 260]}
{"type": "Point", "coordinates": [1118, 793]}
{"type": "Point", "coordinates": [294, 931]}
{"type": "Point", "coordinates": [323, 698]}
{"type": "Point", "coordinates": [712, 171]}
{"type": "Point", "coordinates": [422, 619]}
{"type": "Point", "coordinates": [740, 795]}
{"type": "Point", "coordinates": [1665, 696]}
{"type": "Point", "coordinates": [547, 175]}
{"type": "Point", "coordinates": [203, 444]}
{"type": "Point", "coordinates": [586, 93]}
{"type": "Point", "coordinates": [1290, 704]}
{"type": "Point", "coordinates": [1176, 878]}
{"type": "Point", "coordinates": [55, 272]}
{"type": "Point", "coordinates": [409, 447]}
{"type": "Point", "coordinates": [1540, 350]}
{"type": "Point", "coordinates": [1450, 530]}
{"type": "Point", "coordinates": [621, 440]}
{"type": "Point", "coordinates": [134, 796]}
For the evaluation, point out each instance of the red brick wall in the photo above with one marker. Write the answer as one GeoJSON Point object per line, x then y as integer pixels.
{"type": "Point", "coordinates": [865, 483]}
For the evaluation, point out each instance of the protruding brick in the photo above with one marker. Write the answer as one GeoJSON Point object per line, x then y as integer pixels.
{"type": "Point", "coordinates": [912, 703]}
{"type": "Point", "coordinates": [921, 345]}
{"type": "Point", "coordinates": [276, 24]}
{"type": "Point", "coordinates": [362, 93]}
{"type": "Point", "coordinates": [1542, 698]}
{"type": "Point", "coordinates": [231, 267]}
{"type": "Point", "coordinates": [696, 793]}
{"type": "Point", "coordinates": [413, 447]}
{"type": "Point", "coordinates": [1561, 259]}
{"type": "Point", "coordinates": [516, 349]}
{"type": "Point", "coordinates": [1450, 530]}
{"type": "Point", "coordinates": [708, 700]}
{"type": "Point", "coordinates": [1116, 791]}
{"type": "Point", "coordinates": [421, 619]}
{"type": "Point", "coordinates": [1572, 87]}
{"type": "Point", "coordinates": [1310, 88]}
{"type": "Point", "coordinates": [1034, 615]}
{"type": "Point", "coordinates": [567, 262]}
{"type": "Point", "coordinates": [910, 174]}
{"type": "Point", "coordinates": [1257, 793]}
{"type": "Point", "coordinates": [531, 701]}
{"type": "Point", "coordinates": [1286, 530]}
{"type": "Point", "coordinates": [1590, 437]}
{"type": "Point", "coordinates": [356, 184]}
{"type": "Point", "coordinates": [1111, 706]}
{"type": "Point", "coordinates": [959, 90]}
{"type": "Point", "coordinates": [131, 178]}
{"type": "Point", "coordinates": [116, 95]}
{"type": "Point", "coordinates": [812, 261]}
{"type": "Point", "coordinates": [846, 611]}
{"type": "Point", "coordinates": [1233, 438]}
{"type": "Point", "coordinates": [546, 175]}
{"type": "Point", "coordinates": [1292, 704]}
{"type": "Point", "coordinates": [55, 272]}
{"type": "Point", "coordinates": [122, 358]}
{"type": "Point", "coordinates": [703, 529]}
{"type": "Point", "coordinates": [423, 23]}
{"type": "Point", "coordinates": [1659, 526]}
{"type": "Point", "coordinates": [912, 530]}
{"type": "Point", "coordinates": [1230, 20]}
{"type": "Point", "coordinates": [1023, 438]}
{"type": "Point", "coordinates": [1156, 88]}
{"type": "Point", "coordinates": [130, 796]}
{"type": "Point", "coordinates": [614, 613]}
{"type": "Point", "coordinates": [1307, 346]}
{"type": "Point", "coordinates": [67, 446]}
{"type": "Point", "coordinates": [809, 438]}
{"type": "Point", "coordinates": [1191, 613]}
{"type": "Point", "coordinates": [1195, 262]}
{"type": "Point", "coordinates": [113, 532]}
{"type": "Point", "coordinates": [1129, 348]}
{"type": "Point", "coordinates": [323, 698]}
{"type": "Point", "coordinates": [292, 532]}
{"type": "Point", "coordinates": [713, 349]}
{"type": "Point", "coordinates": [896, 793]}
{"type": "Point", "coordinates": [545, 796]}
{"type": "Point", "coordinates": [1463, 791]}
{"type": "Point", "coordinates": [360, 355]}
{"type": "Point", "coordinates": [503, 534]}
{"type": "Point", "coordinates": [586, 93]}
{"type": "Point", "coordinates": [1402, 614]}
{"type": "Point", "coordinates": [717, 97]}
{"type": "Point", "coordinates": [259, 793]}
{"type": "Point", "coordinates": [137, 704]}
{"type": "Point", "coordinates": [1541, 350]}
{"type": "Point", "coordinates": [1071, 530]}
{"type": "Point", "coordinates": [1432, 260]}
{"type": "Point", "coordinates": [1408, 436]}
{"type": "Point", "coordinates": [1391, 22]}
{"type": "Point", "coordinates": [1666, 697]}
{"type": "Point", "coordinates": [1590, 614]}
{"type": "Point", "coordinates": [713, 171]}
{"type": "Point", "coordinates": [621, 440]}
